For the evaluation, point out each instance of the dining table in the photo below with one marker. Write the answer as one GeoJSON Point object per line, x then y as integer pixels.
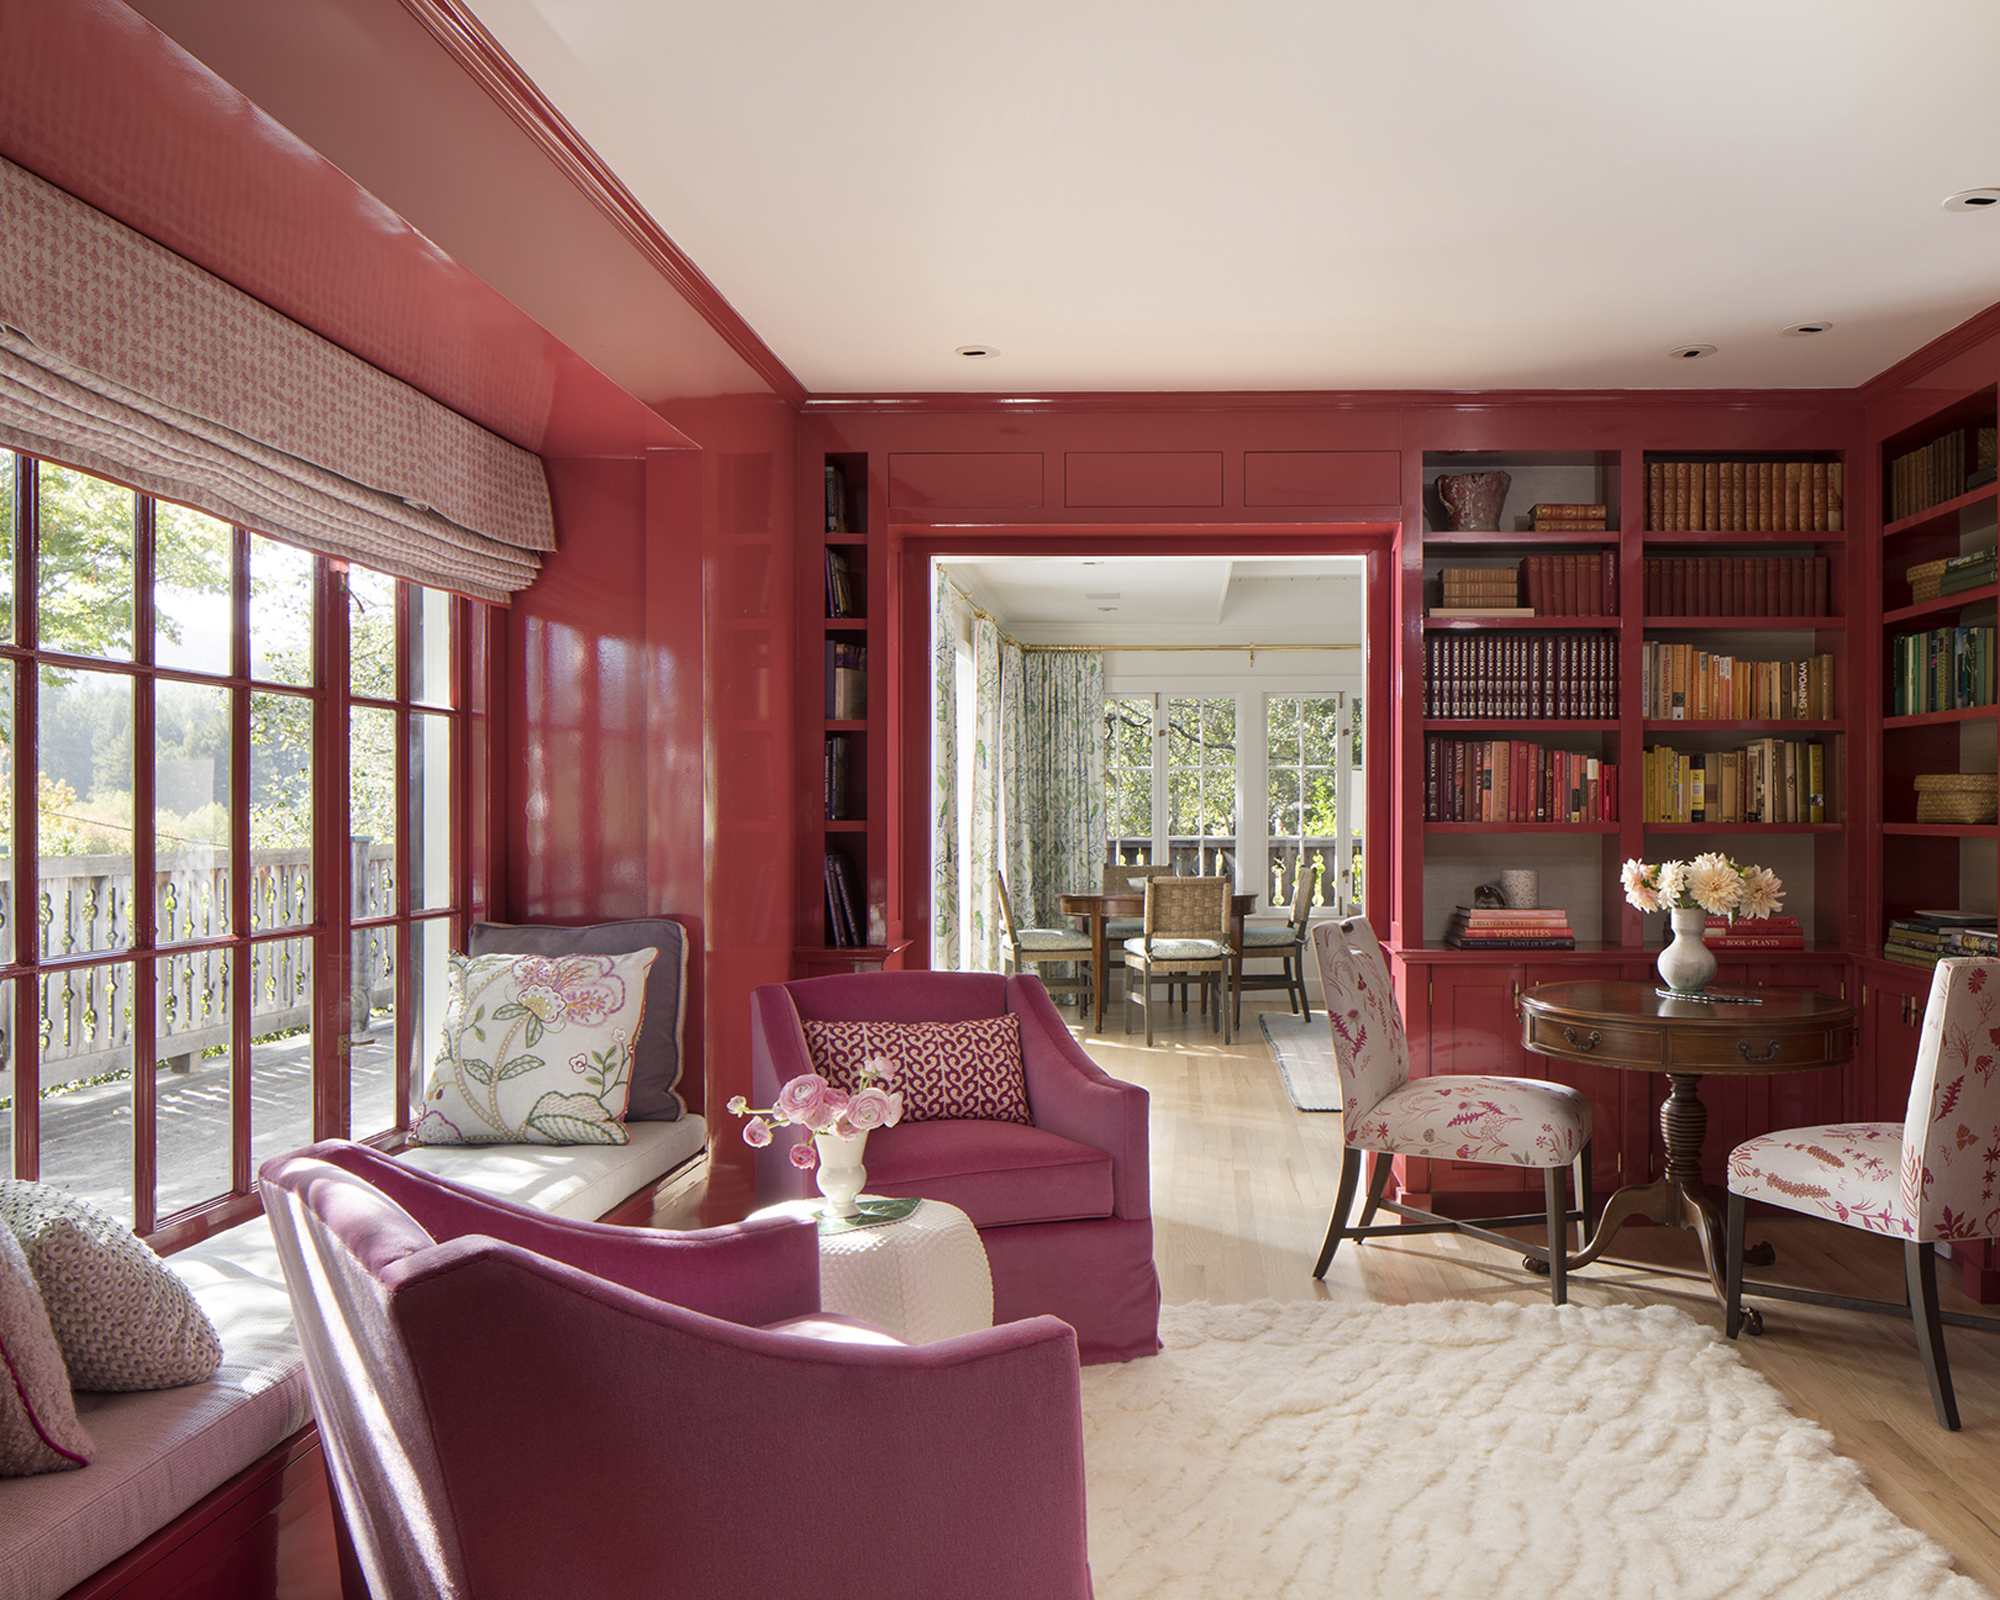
{"type": "Point", "coordinates": [1099, 909]}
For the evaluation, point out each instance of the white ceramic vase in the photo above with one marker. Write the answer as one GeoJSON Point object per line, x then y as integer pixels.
{"type": "Point", "coordinates": [1687, 965]}
{"type": "Point", "coordinates": [841, 1174]}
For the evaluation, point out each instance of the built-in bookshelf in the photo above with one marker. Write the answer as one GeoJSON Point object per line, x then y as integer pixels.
{"type": "Point", "coordinates": [1934, 665]}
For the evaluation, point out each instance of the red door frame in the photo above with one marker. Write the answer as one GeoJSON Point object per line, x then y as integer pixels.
{"type": "Point", "coordinates": [909, 549]}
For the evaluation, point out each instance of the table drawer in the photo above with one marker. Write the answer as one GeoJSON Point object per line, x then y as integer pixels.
{"type": "Point", "coordinates": [1749, 1048]}
{"type": "Point", "coordinates": [1606, 1043]}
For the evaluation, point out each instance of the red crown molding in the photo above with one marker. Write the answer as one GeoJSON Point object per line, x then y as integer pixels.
{"type": "Point", "coordinates": [1980, 326]}
{"type": "Point", "coordinates": [1377, 400]}
{"type": "Point", "coordinates": [465, 38]}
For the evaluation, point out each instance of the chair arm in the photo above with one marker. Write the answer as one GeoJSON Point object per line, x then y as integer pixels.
{"type": "Point", "coordinates": [741, 1445]}
{"type": "Point", "coordinates": [1072, 1095]}
{"type": "Point", "coordinates": [751, 1272]}
{"type": "Point", "coordinates": [778, 1054]}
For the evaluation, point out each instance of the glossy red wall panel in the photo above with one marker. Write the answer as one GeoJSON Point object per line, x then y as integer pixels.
{"type": "Point", "coordinates": [979, 480]}
{"type": "Point", "coordinates": [1142, 478]}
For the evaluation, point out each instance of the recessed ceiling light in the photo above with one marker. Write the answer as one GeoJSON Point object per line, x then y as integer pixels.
{"type": "Point", "coordinates": [978, 352]}
{"type": "Point", "coordinates": [1107, 608]}
{"type": "Point", "coordinates": [1691, 352]}
{"type": "Point", "coordinates": [1972, 200]}
{"type": "Point", "coordinates": [1809, 327]}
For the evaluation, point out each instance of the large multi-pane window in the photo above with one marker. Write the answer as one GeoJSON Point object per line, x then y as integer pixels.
{"type": "Point", "coordinates": [1179, 766]}
{"type": "Point", "coordinates": [233, 844]}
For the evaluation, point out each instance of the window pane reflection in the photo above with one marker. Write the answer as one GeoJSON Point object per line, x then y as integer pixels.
{"type": "Point", "coordinates": [371, 634]}
{"type": "Point", "coordinates": [83, 570]}
{"type": "Point", "coordinates": [430, 812]}
{"type": "Point", "coordinates": [86, 1085]}
{"type": "Point", "coordinates": [191, 811]}
{"type": "Point", "coordinates": [281, 1036]}
{"type": "Point", "coordinates": [281, 637]}
{"type": "Point", "coordinates": [193, 558]}
{"type": "Point", "coordinates": [430, 648]}
{"type": "Point", "coordinates": [191, 1085]}
{"type": "Point", "coordinates": [83, 811]}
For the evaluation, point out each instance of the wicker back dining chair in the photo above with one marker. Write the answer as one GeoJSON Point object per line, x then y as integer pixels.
{"type": "Point", "coordinates": [1122, 879]}
{"type": "Point", "coordinates": [1286, 943]}
{"type": "Point", "coordinates": [1923, 1181]}
{"type": "Point", "coordinates": [1024, 948]}
{"type": "Point", "coordinates": [1185, 936]}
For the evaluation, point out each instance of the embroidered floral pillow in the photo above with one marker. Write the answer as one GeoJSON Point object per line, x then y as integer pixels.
{"type": "Point", "coordinates": [536, 1050]}
{"type": "Point", "coordinates": [966, 1069]}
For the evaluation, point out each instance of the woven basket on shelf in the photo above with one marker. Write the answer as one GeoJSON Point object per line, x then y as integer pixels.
{"type": "Point", "coordinates": [1924, 581]}
{"type": "Point", "coordinates": [1958, 797]}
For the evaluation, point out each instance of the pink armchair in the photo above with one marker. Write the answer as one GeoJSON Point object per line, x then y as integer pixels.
{"type": "Point", "coordinates": [517, 1405]}
{"type": "Point", "coordinates": [1062, 1206]}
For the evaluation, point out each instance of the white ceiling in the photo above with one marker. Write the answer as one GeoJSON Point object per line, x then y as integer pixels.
{"type": "Point", "coordinates": [1130, 602]}
{"type": "Point", "coordinates": [1302, 194]}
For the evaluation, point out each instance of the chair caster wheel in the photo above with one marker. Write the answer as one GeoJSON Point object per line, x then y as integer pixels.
{"type": "Point", "coordinates": [1753, 1321]}
{"type": "Point", "coordinates": [1536, 1265]}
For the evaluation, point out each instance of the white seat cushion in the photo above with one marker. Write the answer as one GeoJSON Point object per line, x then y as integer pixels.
{"type": "Point", "coordinates": [1282, 937]}
{"type": "Point", "coordinates": [580, 1182]}
{"type": "Point", "coordinates": [1522, 1122]}
{"type": "Point", "coordinates": [1847, 1172]}
{"type": "Point", "coordinates": [1179, 949]}
{"type": "Point", "coordinates": [1041, 940]}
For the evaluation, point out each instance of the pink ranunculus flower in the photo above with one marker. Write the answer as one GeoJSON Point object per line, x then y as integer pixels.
{"type": "Point", "coordinates": [868, 1109]}
{"type": "Point", "coordinates": [801, 1098]}
{"type": "Point", "coordinates": [756, 1133]}
{"type": "Point", "coordinates": [878, 1069]}
{"type": "Point", "coordinates": [802, 1155]}
{"type": "Point", "coordinates": [895, 1116]}
{"type": "Point", "coordinates": [738, 1105]}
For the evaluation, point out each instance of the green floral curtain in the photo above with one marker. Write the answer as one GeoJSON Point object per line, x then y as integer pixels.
{"type": "Point", "coordinates": [979, 906]}
{"type": "Point", "coordinates": [944, 775]}
{"type": "Point", "coordinates": [1052, 717]}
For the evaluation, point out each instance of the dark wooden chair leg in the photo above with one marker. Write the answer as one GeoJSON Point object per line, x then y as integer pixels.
{"type": "Point", "coordinates": [1583, 1198]}
{"type": "Point", "coordinates": [1732, 1269]}
{"type": "Point", "coordinates": [1920, 1269]}
{"type": "Point", "coordinates": [1555, 1189]}
{"type": "Point", "coordinates": [1350, 1171]}
{"type": "Point", "coordinates": [1378, 1180]}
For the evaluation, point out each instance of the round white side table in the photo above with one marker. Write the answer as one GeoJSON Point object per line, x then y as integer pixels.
{"type": "Point", "coordinates": [923, 1278]}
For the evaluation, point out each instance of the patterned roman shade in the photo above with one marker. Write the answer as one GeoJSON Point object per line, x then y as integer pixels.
{"type": "Point", "coordinates": [121, 358]}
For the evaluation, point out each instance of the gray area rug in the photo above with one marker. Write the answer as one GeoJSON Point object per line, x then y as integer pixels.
{"type": "Point", "coordinates": [1304, 1051]}
{"type": "Point", "coordinates": [1459, 1451]}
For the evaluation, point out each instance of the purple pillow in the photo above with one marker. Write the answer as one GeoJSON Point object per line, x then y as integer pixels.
{"type": "Point", "coordinates": [656, 1055]}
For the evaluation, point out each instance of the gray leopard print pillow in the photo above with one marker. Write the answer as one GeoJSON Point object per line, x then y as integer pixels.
{"type": "Point", "coordinates": [123, 1320]}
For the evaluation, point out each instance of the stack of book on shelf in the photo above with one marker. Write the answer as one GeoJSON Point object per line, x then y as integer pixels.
{"type": "Point", "coordinates": [1572, 583]}
{"type": "Point", "coordinates": [1944, 669]}
{"type": "Point", "coordinates": [1476, 928]}
{"type": "Point", "coordinates": [1549, 677]}
{"type": "Point", "coordinates": [1515, 780]}
{"type": "Point", "coordinates": [836, 777]}
{"type": "Point", "coordinates": [839, 585]}
{"type": "Point", "coordinates": [1754, 933]}
{"type": "Point", "coordinates": [1678, 683]}
{"type": "Point", "coordinates": [843, 912]}
{"type": "Point", "coordinates": [836, 499]}
{"type": "Point", "coordinates": [1736, 586]}
{"type": "Point", "coordinates": [1767, 780]}
{"type": "Point", "coordinates": [846, 681]}
{"type": "Point", "coordinates": [1923, 938]}
{"type": "Point", "coordinates": [1567, 516]}
{"type": "Point", "coordinates": [1743, 497]}
{"type": "Point", "coordinates": [1480, 592]}
{"type": "Point", "coordinates": [1933, 580]}
{"type": "Point", "coordinates": [1939, 471]}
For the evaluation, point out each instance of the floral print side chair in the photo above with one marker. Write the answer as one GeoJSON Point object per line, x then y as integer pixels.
{"type": "Point", "coordinates": [1934, 1176]}
{"type": "Point", "coordinates": [1519, 1122]}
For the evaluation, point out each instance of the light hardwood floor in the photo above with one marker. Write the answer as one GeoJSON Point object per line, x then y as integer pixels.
{"type": "Point", "coordinates": [1243, 1183]}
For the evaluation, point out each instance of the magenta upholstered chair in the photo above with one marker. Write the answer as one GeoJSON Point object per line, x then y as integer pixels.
{"type": "Point", "coordinates": [517, 1405]}
{"type": "Point", "coordinates": [1061, 1205]}
{"type": "Point", "coordinates": [1922, 1181]}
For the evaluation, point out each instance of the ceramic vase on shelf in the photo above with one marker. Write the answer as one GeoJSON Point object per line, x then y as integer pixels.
{"type": "Point", "coordinates": [1687, 965]}
{"type": "Point", "coordinates": [1473, 499]}
{"type": "Point", "coordinates": [840, 1173]}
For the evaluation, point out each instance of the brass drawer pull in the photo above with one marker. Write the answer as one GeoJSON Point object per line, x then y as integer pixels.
{"type": "Point", "coordinates": [1743, 1050]}
{"type": "Point", "coordinates": [1591, 1043]}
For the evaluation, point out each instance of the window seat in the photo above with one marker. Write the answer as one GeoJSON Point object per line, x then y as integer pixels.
{"type": "Point", "coordinates": [171, 1461]}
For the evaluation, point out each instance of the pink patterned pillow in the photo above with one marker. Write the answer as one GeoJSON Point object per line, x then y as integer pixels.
{"type": "Point", "coordinates": [944, 1069]}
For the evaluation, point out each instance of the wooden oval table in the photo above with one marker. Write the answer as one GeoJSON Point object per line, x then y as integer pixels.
{"type": "Point", "coordinates": [1633, 1026]}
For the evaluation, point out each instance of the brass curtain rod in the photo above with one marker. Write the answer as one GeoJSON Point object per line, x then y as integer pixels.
{"type": "Point", "coordinates": [1126, 649]}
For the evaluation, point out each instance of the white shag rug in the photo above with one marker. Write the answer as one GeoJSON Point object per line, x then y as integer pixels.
{"type": "Point", "coordinates": [1477, 1452]}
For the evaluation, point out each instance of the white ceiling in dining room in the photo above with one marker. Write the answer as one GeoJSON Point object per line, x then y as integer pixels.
{"type": "Point", "coordinates": [1302, 194]}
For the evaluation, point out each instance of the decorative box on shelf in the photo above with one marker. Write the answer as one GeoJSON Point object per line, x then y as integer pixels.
{"type": "Point", "coordinates": [1962, 797]}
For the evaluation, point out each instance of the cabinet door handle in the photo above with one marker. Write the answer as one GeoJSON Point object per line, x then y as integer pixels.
{"type": "Point", "coordinates": [1589, 1043]}
{"type": "Point", "coordinates": [1770, 1053]}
